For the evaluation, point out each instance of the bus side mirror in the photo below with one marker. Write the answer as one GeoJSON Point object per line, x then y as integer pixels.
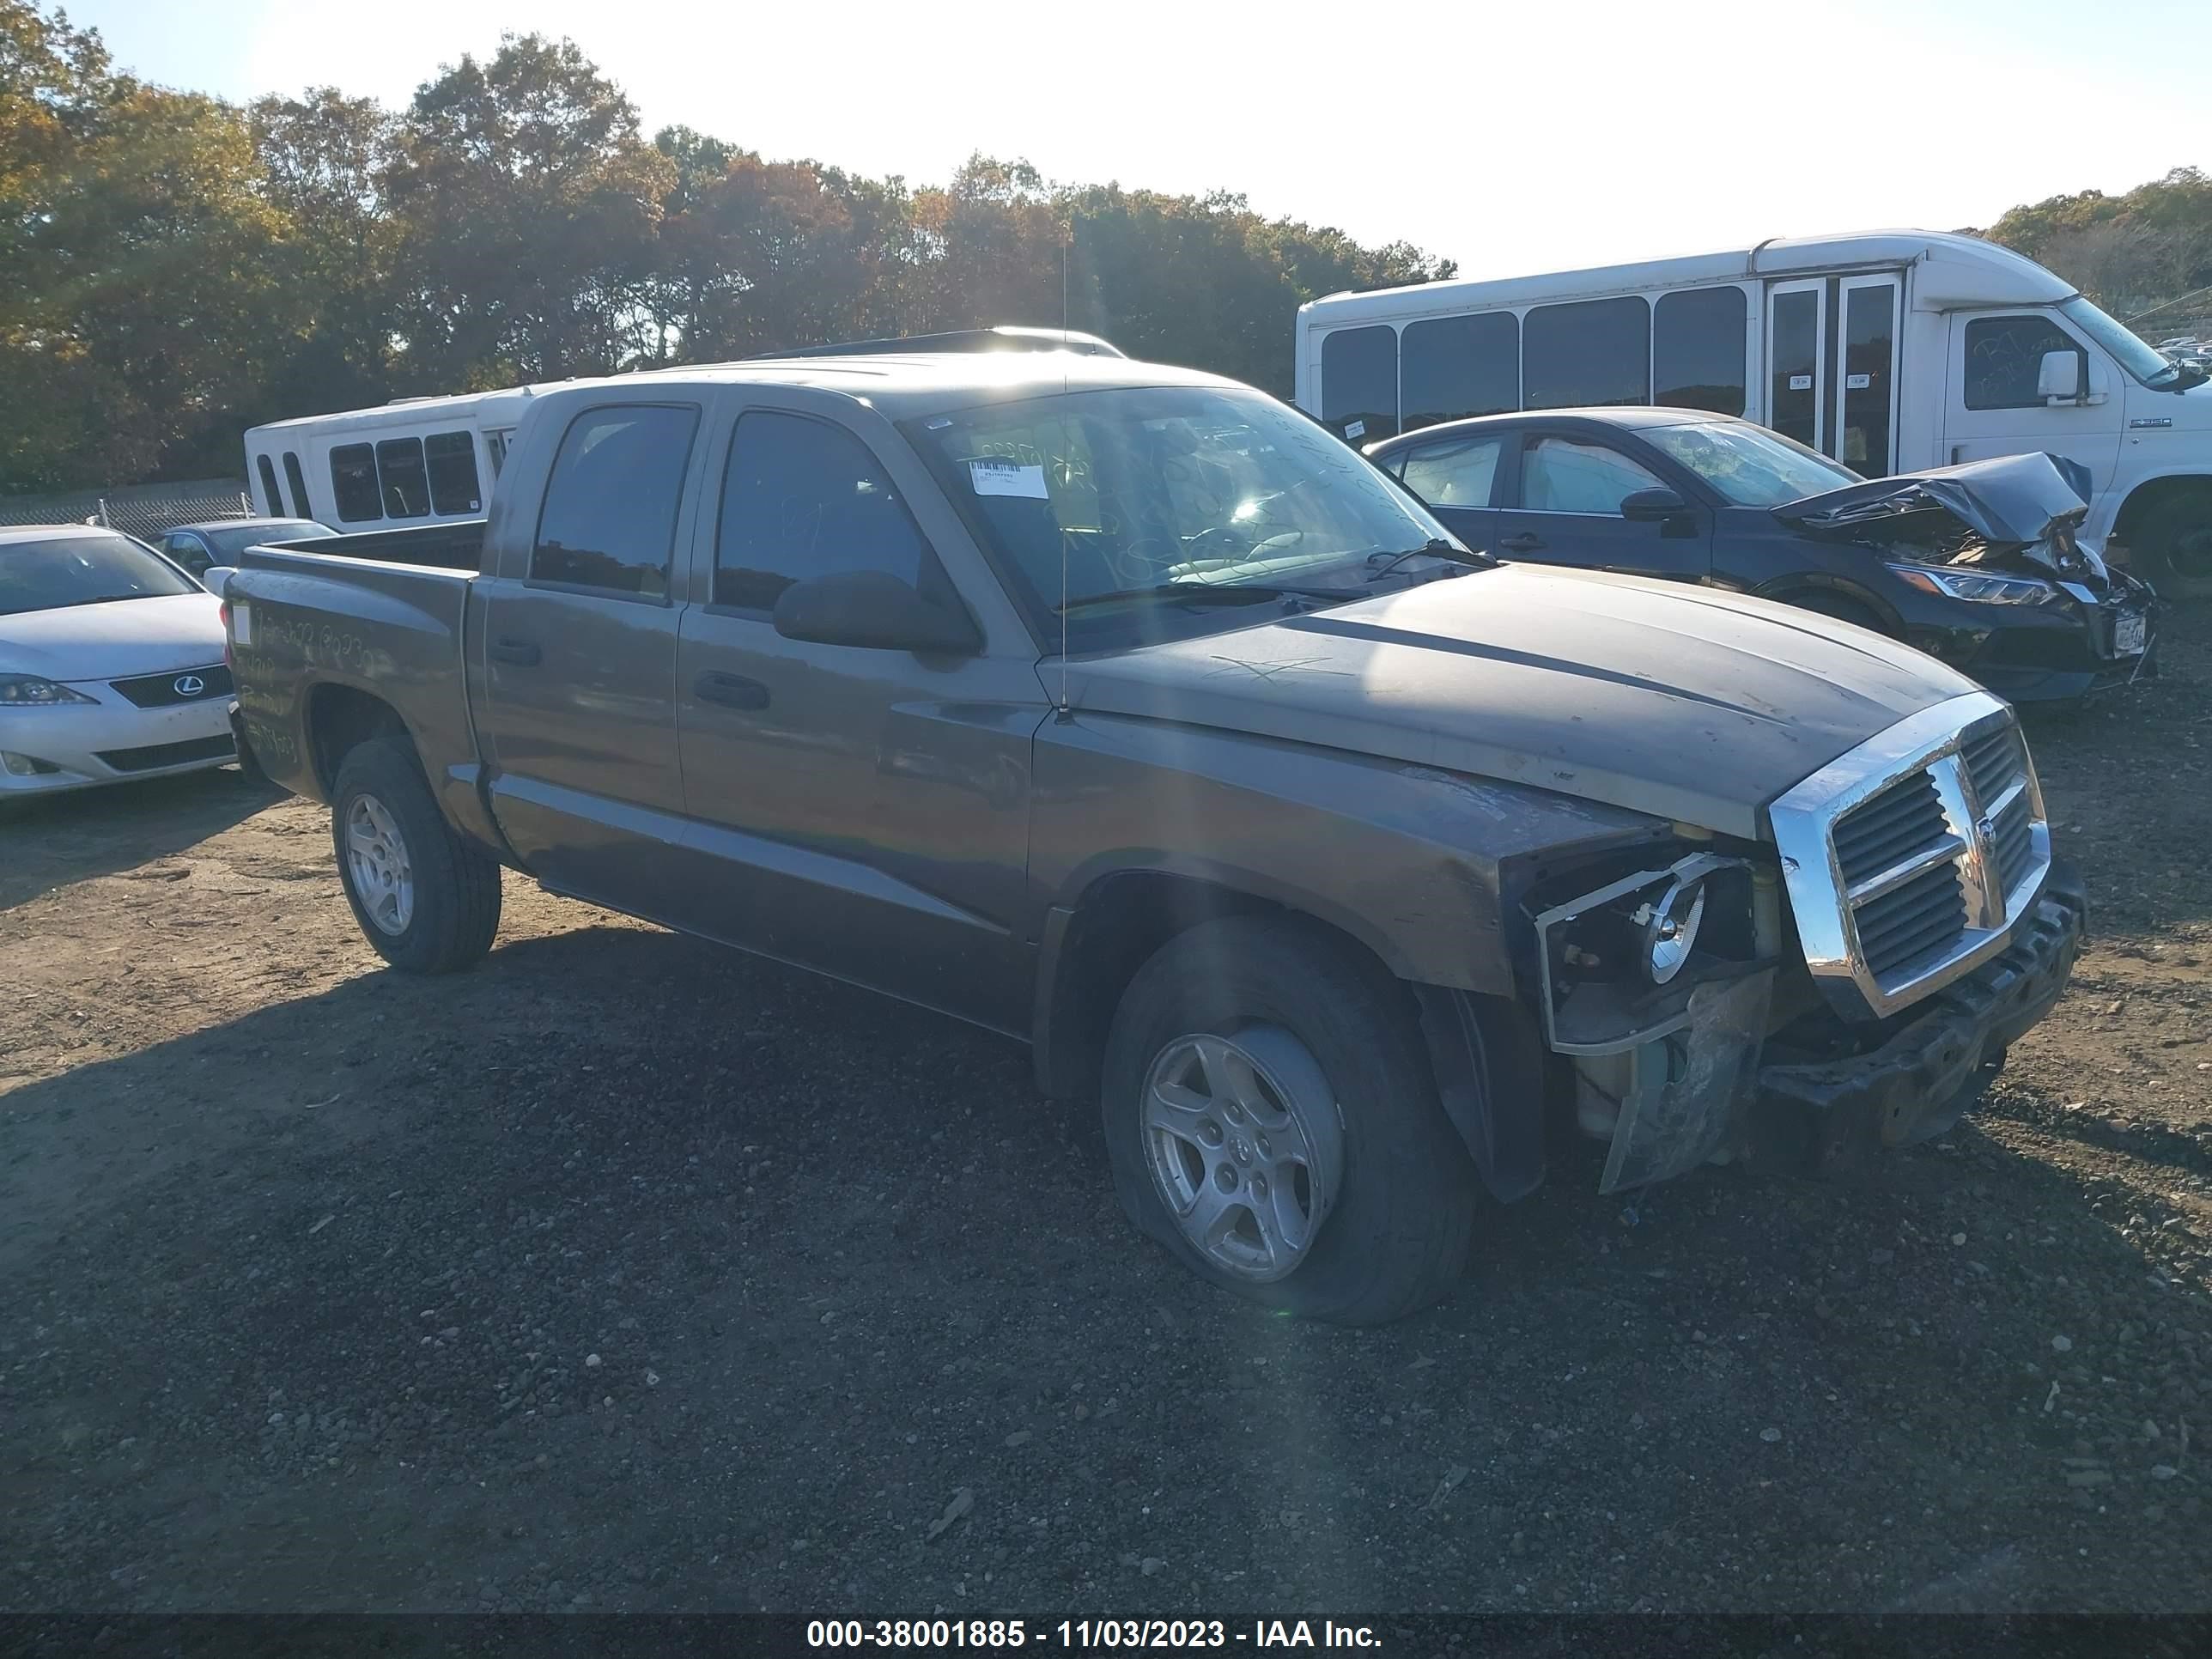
{"type": "Point", "coordinates": [2059, 380]}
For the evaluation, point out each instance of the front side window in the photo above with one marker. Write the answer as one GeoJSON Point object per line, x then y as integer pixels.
{"type": "Point", "coordinates": [2004, 359]}
{"type": "Point", "coordinates": [1457, 366]}
{"type": "Point", "coordinates": [1697, 350]}
{"type": "Point", "coordinates": [609, 519]}
{"type": "Point", "coordinates": [406, 486]}
{"type": "Point", "coordinates": [451, 458]}
{"type": "Point", "coordinates": [1559, 475]}
{"type": "Point", "coordinates": [190, 552]}
{"type": "Point", "coordinates": [353, 484]}
{"type": "Point", "coordinates": [803, 498]}
{"type": "Point", "coordinates": [68, 570]}
{"type": "Point", "coordinates": [1455, 474]}
{"type": "Point", "coordinates": [1359, 383]}
{"type": "Point", "coordinates": [1124, 491]}
{"type": "Point", "coordinates": [272, 503]}
{"type": "Point", "coordinates": [1748, 465]}
{"type": "Point", "coordinates": [1593, 352]}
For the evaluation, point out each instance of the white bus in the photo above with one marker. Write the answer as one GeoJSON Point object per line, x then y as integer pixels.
{"type": "Point", "coordinates": [1892, 351]}
{"type": "Point", "coordinates": [418, 460]}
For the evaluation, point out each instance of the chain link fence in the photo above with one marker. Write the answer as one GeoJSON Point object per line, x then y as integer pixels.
{"type": "Point", "coordinates": [146, 511]}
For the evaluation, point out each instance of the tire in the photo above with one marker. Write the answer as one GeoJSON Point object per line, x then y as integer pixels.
{"type": "Point", "coordinates": [2172, 547]}
{"type": "Point", "coordinates": [1840, 607]}
{"type": "Point", "coordinates": [441, 913]}
{"type": "Point", "coordinates": [1385, 1202]}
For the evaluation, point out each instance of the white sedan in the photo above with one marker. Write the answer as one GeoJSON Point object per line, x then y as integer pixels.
{"type": "Point", "coordinates": [111, 663]}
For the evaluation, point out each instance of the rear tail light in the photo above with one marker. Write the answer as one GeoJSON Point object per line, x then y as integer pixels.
{"type": "Point", "coordinates": [223, 611]}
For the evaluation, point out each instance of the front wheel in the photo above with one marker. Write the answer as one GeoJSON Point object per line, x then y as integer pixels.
{"type": "Point", "coordinates": [426, 900]}
{"type": "Point", "coordinates": [2172, 547]}
{"type": "Point", "coordinates": [1271, 1118]}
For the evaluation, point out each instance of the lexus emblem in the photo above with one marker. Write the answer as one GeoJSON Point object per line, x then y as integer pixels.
{"type": "Point", "coordinates": [188, 685]}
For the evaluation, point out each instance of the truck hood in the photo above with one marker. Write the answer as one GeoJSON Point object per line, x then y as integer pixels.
{"type": "Point", "coordinates": [1683, 703]}
{"type": "Point", "coordinates": [2020, 509]}
{"type": "Point", "coordinates": [114, 641]}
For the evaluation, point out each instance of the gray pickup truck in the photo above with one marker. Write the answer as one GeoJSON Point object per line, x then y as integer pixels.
{"type": "Point", "coordinates": [1125, 710]}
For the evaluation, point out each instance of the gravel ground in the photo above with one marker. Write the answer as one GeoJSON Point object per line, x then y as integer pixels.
{"type": "Point", "coordinates": [622, 1273]}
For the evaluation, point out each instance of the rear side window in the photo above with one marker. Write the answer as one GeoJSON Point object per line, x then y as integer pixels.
{"type": "Point", "coordinates": [1697, 350]}
{"type": "Point", "coordinates": [1560, 476]}
{"type": "Point", "coordinates": [1455, 367]}
{"type": "Point", "coordinates": [1593, 352]}
{"type": "Point", "coordinates": [1456, 474]}
{"type": "Point", "coordinates": [802, 498]}
{"type": "Point", "coordinates": [272, 503]}
{"type": "Point", "coordinates": [298, 481]}
{"type": "Point", "coordinates": [452, 458]}
{"type": "Point", "coordinates": [1359, 383]}
{"type": "Point", "coordinates": [2004, 359]}
{"type": "Point", "coordinates": [353, 483]}
{"type": "Point", "coordinates": [406, 486]}
{"type": "Point", "coordinates": [609, 520]}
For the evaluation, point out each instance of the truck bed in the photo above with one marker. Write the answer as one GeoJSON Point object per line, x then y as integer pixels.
{"type": "Point", "coordinates": [442, 546]}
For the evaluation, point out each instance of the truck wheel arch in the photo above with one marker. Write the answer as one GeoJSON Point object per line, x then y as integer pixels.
{"type": "Point", "coordinates": [340, 718]}
{"type": "Point", "coordinates": [2148, 503]}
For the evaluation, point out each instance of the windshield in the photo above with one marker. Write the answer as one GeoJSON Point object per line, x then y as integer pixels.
{"type": "Point", "coordinates": [1749, 465]}
{"type": "Point", "coordinates": [1147, 486]}
{"type": "Point", "coordinates": [2133, 352]}
{"type": "Point", "coordinates": [83, 570]}
{"type": "Point", "coordinates": [229, 543]}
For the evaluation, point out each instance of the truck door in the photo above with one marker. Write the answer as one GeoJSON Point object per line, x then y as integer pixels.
{"type": "Point", "coordinates": [1992, 406]}
{"type": "Point", "coordinates": [860, 812]}
{"type": "Point", "coordinates": [578, 644]}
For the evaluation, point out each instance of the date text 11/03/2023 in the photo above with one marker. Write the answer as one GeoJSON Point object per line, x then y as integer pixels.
{"type": "Point", "coordinates": [1086, 1634]}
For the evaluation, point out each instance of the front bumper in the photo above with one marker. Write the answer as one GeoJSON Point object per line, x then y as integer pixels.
{"type": "Point", "coordinates": [1921, 1080]}
{"type": "Point", "coordinates": [78, 746]}
{"type": "Point", "coordinates": [2050, 654]}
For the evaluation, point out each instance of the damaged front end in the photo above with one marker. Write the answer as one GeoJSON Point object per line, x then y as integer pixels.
{"type": "Point", "coordinates": [2003, 536]}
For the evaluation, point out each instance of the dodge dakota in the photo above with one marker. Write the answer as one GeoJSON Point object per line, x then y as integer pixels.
{"type": "Point", "coordinates": [1125, 710]}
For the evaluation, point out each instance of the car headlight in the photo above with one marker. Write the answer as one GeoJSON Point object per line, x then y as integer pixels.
{"type": "Point", "coordinates": [34, 691]}
{"type": "Point", "coordinates": [1975, 585]}
{"type": "Point", "coordinates": [1670, 927]}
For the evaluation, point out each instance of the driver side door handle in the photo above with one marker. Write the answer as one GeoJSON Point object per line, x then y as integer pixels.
{"type": "Point", "coordinates": [1526, 541]}
{"type": "Point", "coordinates": [731, 690]}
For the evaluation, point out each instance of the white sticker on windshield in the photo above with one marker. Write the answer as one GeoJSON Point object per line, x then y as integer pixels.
{"type": "Point", "coordinates": [1801, 383]}
{"type": "Point", "coordinates": [1857, 382]}
{"type": "Point", "coordinates": [1356, 429]}
{"type": "Point", "coordinates": [1008, 478]}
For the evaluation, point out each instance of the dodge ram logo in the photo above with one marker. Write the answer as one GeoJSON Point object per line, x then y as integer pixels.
{"type": "Point", "coordinates": [188, 685]}
{"type": "Point", "coordinates": [1986, 829]}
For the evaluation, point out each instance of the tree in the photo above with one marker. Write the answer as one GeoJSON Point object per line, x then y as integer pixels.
{"type": "Point", "coordinates": [526, 205]}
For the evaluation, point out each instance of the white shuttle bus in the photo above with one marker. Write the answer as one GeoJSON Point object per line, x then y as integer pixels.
{"type": "Point", "coordinates": [418, 460]}
{"type": "Point", "coordinates": [1891, 351]}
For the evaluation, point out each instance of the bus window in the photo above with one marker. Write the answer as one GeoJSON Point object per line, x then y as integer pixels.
{"type": "Point", "coordinates": [1697, 349]}
{"type": "Point", "coordinates": [495, 444]}
{"type": "Point", "coordinates": [452, 458]}
{"type": "Point", "coordinates": [353, 483]}
{"type": "Point", "coordinates": [298, 480]}
{"type": "Point", "coordinates": [1591, 352]}
{"type": "Point", "coordinates": [406, 485]}
{"type": "Point", "coordinates": [272, 503]}
{"type": "Point", "coordinates": [1359, 383]}
{"type": "Point", "coordinates": [1455, 367]}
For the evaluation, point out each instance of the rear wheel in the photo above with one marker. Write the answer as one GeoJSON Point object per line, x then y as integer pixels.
{"type": "Point", "coordinates": [1271, 1118]}
{"type": "Point", "coordinates": [2170, 546]}
{"type": "Point", "coordinates": [426, 900]}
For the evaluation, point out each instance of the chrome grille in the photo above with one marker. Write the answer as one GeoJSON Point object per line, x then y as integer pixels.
{"type": "Point", "coordinates": [1908, 859]}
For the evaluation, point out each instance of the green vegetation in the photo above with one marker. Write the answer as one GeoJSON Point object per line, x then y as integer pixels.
{"type": "Point", "coordinates": [175, 269]}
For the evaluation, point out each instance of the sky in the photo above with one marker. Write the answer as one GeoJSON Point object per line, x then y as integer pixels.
{"type": "Point", "coordinates": [1513, 138]}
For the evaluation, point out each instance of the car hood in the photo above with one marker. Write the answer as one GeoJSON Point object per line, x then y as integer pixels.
{"type": "Point", "coordinates": [114, 641]}
{"type": "Point", "coordinates": [1683, 703]}
{"type": "Point", "coordinates": [2023, 508]}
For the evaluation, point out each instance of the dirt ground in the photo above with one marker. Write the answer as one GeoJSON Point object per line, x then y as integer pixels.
{"type": "Point", "coordinates": [623, 1272]}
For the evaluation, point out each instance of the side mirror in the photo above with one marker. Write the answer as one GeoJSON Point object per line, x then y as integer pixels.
{"type": "Point", "coordinates": [1652, 505]}
{"type": "Point", "coordinates": [875, 610]}
{"type": "Point", "coordinates": [2059, 379]}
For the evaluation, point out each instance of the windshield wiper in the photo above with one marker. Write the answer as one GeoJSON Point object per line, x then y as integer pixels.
{"type": "Point", "coordinates": [1384, 563]}
{"type": "Point", "coordinates": [1181, 594]}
